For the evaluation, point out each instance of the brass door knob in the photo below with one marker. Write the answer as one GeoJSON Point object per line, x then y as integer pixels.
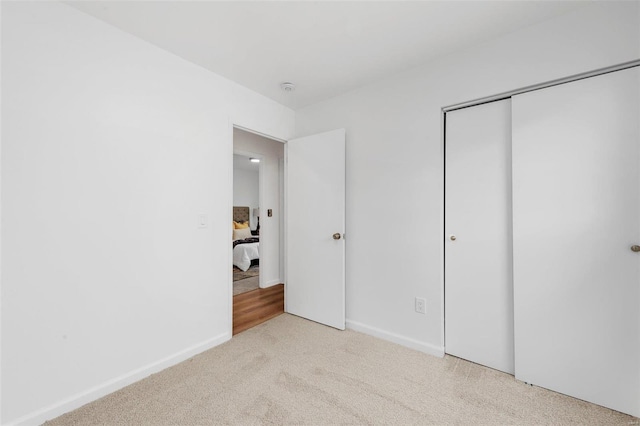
{"type": "Point", "coordinates": [635, 248]}
{"type": "Point", "coordinates": [337, 236]}
{"type": "Point", "coordinates": [452, 237]}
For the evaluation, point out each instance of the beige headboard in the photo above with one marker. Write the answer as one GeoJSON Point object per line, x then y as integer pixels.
{"type": "Point", "coordinates": [241, 214]}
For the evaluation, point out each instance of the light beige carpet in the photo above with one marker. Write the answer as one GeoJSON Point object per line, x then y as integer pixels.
{"type": "Point", "coordinates": [248, 284]}
{"type": "Point", "coordinates": [294, 372]}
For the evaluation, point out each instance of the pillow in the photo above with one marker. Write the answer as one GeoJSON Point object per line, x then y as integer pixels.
{"type": "Point", "coordinates": [241, 234]}
{"type": "Point", "coordinates": [240, 225]}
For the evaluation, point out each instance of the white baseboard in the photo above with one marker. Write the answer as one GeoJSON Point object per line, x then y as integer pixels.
{"type": "Point", "coordinates": [396, 338]}
{"type": "Point", "coordinates": [82, 398]}
{"type": "Point", "coordinates": [272, 283]}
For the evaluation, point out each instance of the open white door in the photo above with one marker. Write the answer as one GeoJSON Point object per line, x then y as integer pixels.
{"type": "Point", "coordinates": [315, 225]}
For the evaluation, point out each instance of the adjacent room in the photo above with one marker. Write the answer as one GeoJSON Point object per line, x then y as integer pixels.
{"type": "Point", "coordinates": [246, 224]}
{"type": "Point", "coordinates": [435, 206]}
{"type": "Point", "coordinates": [258, 247]}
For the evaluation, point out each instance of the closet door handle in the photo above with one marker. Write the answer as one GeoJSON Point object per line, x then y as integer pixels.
{"type": "Point", "coordinates": [452, 237]}
{"type": "Point", "coordinates": [635, 248]}
{"type": "Point", "coordinates": [337, 236]}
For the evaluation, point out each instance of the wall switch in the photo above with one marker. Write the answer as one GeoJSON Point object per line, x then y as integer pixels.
{"type": "Point", "coordinates": [421, 305]}
{"type": "Point", "coordinates": [202, 220]}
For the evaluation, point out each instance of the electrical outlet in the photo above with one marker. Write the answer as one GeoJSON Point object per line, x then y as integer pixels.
{"type": "Point", "coordinates": [421, 305]}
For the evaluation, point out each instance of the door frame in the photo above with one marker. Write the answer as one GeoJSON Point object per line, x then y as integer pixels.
{"type": "Point", "coordinates": [491, 98]}
{"type": "Point", "coordinates": [229, 203]}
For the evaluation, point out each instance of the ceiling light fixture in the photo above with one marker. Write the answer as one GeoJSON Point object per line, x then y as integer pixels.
{"type": "Point", "coordinates": [254, 160]}
{"type": "Point", "coordinates": [288, 87]}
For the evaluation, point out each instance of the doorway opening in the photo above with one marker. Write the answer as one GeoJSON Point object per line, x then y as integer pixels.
{"type": "Point", "coordinates": [246, 223]}
{"type": "Point", "coordinates": [257, 242]}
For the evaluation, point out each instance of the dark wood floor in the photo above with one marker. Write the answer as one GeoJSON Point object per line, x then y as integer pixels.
{"type": "Point", "coordinates": [257, 306]}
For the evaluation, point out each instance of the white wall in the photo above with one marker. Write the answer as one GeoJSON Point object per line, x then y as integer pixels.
{"type": "Point", "coordinates": [271, 152]}
{"type": "Point", "coordinates": [111, 147]}
{"type": "Point", "coordinates": [394, 157]}
{"type": "Point", "coordinates": [245, 189]}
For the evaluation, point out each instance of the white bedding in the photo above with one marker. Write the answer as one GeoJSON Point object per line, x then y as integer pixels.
{"type": "Point", "coordinates": [243, 254]}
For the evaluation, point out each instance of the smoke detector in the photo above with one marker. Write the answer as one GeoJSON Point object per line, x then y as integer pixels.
{"type": "Point", "coordinates": [288, 87]}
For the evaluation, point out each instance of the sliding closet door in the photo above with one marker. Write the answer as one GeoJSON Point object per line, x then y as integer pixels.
{"type": "Point", "coordinates": [576, 192]}
{"type": "Point", "coordinates": [478, 265]}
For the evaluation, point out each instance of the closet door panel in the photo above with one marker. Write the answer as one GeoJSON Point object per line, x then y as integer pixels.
{"type": "Point", "coordinates": [478, 265]}
{"type": "Point", "coordinates": [576, 192]}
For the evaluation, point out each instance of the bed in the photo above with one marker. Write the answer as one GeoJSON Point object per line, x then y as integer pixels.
{"type": "Point", "coordinates": [246, 247]}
